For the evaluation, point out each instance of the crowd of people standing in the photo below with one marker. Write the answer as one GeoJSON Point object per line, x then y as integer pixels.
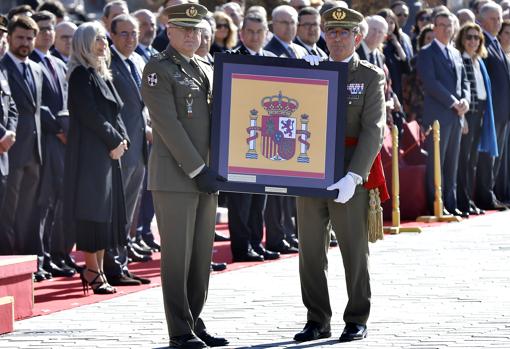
{"type": "Point", "coordinates": [80, 161]}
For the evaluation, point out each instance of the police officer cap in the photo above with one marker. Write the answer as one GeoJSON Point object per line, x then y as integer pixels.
{"type": "Point", "coordinates": [186, 15]}
{"type": "Point", "coordinates": [3, 23]}
{"type": "Point", "coordinates": [339, 17]}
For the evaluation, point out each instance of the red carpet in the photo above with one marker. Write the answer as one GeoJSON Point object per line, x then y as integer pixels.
{"type": "Point", "coordinates": [66, 293]}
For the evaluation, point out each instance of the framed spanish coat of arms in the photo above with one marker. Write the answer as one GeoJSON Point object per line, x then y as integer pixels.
{"type": "Point", "coordinates": [278, 125]}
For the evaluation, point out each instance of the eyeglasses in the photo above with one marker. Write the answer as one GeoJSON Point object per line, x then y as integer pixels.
{"type": "Point", "coordinates": [309, 25]}
{"type": "Point", "coordinates": [469, 37]}
{"type": "Point", "coordinates": [339, 33]}
{"type": "Point", "coordinates": [46, 29]}
{"type": "Point", "coordinates": [194, 30]}
{"type": "Point", "coordinates": [125, 35]}
{"type": "Point", "coordinates": [223, 25]}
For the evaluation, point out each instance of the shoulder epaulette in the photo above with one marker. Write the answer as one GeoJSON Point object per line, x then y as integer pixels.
{"type": "Point", "coordinates": [160, 56]}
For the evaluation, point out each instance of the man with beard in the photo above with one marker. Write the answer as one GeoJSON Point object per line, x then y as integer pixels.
{"type": "Point", "coordinates": [19, 217]}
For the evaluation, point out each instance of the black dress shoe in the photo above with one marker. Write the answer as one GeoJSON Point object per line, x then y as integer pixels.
{"type": "Point", "coordinates": [249, 256]}
{"type": "Point", "coordinates": [143, 245]}
{"type": "Point", "coordinates": [57, 270]}
{"type": "Point", "coordinates": [459, 213]}
{"type": "Point", "coordinates": [152, 244]}
{"type": "Point", "coordinates": [137, 257]}
{"type": "Point", "coordinates": [313, 331]}
{"type": "Point", "coordinates": [122, 280]}
{"type": "Point", "coordinates": [353, 332]}
{"type": "Point", "coordinates": [218, 266]}
{"type": "Point", "coordinates": [268, 255]}
{"type": "Point", "coordinates": [333, 243]}
{"type": "Point", "coordinates": [284, 248]}
{"type": "Point", "coordinates": [143, 250]}
{"type": "Point", "coordinates": [39, 276]}
{"type": "Point", "coordinates": [69, 261]}
{"type": "Point", "coordinates": [212, 341]}
{"type": "Point", "coordinates": [142, 280]}
{"type": "Point", "coordinates": [187, 341]}
{"type": "Point", "coordinates": [219, 238]}
{"type": "Point", "coordinates": [293, 241]}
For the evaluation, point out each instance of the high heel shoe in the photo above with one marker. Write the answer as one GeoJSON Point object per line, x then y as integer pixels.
{"type": "Point", "coordinates": [98, 285]}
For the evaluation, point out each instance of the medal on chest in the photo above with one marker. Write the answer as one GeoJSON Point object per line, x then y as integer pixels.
{"type": "Point", "coordinates": [189, 106]}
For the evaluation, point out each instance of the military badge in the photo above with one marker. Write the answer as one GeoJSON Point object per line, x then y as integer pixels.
{"type": "Point", "coordinates": [279, 130]}
{"type": "Point", "coordinates": [152, 79]}
{"type": "Point", "coordinates": [355, 90]}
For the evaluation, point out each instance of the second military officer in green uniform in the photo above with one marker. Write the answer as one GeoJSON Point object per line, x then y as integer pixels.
{"type": "Point", "coordinates": [348, 213]}
{"type": "Point", "coordinates": [177, 91]}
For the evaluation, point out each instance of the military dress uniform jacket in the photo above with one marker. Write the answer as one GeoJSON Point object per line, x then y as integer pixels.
{"type": "Point", "coordinates": [178, 100]}
{"type": "Point", "coordinates": [366, 115]}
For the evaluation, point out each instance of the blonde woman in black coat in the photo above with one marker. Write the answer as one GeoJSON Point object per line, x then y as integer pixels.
{"type": "Point", "coordinates": [94, 197]}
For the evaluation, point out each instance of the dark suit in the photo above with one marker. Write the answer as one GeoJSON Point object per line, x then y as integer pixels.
{"type": "Point", "coordinates": [280, 209]}
{"type": "Point", "coordinates": [19, 218]}
{"type": "Point", "coordinates": [245, 211]}
{"type": "Point", "coordinates": [8, 122]}
{"type": "Point", "coordinates": [145, 53]}
{"type": "Point", "coordinates": [146, 210]}
{"type": "Point", "coordinates": [440, 83]}
{"type": "Point", "coordinates": [53, 122]}
{"type": "Point", "coordinates": [378, 57]}
{"type": "Point", "coordinates": [318, 51]}
{"type": "Point", "coordinates": [498, 68]}
{"type": "Point", "coordinates": [134, 160]}
{"type": "Point", "coordinates": [276, 47]}
{"type": "Point", "coordinates": [57, 54]}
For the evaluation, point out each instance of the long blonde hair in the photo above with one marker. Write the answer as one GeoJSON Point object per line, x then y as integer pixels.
{"type": "Point", "coordinates": [82, 51]}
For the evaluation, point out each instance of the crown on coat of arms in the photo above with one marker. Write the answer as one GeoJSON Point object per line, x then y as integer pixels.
{"type": "Point", "coordinates": [279, 105]}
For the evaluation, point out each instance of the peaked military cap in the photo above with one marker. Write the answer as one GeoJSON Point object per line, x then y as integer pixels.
{"type": "Point", "coordinates": [186, 15]}
{"type": "Point", "coordinates": [3, 23]}
{"type": "Point", "coordinates": [341, 17]}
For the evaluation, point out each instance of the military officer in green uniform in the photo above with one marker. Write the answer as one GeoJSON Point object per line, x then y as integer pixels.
{"type": "Point", "coordinates": [348, 213]}
{"type": "Point", "coordinates": [176, 88]}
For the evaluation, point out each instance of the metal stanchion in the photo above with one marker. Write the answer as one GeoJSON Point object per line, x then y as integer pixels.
{"type": "Point", "coordinates": [395, 227]}
{"type": "Point", "coordinates": [438, 195]}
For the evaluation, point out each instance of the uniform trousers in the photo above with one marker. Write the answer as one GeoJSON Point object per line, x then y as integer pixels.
{"type": "Point", "coordinates": [349, 221]}
{"type": "Point", "coordinates": [186, 223]}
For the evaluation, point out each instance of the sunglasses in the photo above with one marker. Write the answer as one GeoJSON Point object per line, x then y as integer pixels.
{"type": "Point", "coordinates": [470, 37]}
{"type": "Point", "coordinates": [424, 18]}
{"type": "Point", "coordinates": [224, 26]}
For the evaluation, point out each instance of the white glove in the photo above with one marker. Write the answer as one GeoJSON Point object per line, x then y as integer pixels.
{"type": "Point", "coordinates": [312, 59]}
{"type": "Point", "coordinates": [346, 187]}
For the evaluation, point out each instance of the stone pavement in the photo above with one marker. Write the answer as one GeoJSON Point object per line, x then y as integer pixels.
{"type": "Point", "coordinates": [448, 287]}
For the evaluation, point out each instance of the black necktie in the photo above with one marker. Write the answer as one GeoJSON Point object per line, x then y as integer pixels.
{"type": "Point", "coordinates": [314, 52]}
{"type": "Point", "coordinates": [201, 74]}
{"type": "Point", "coordinates": [291, 52]}
{"type": "Point", "coordinates": [371, 58]}
{"type": "Point", "coordinates": [134, 72]}
{"type": "Point", "coordinates": [53, 73]}
{"type": "Point", "coordinates": [29, 80]}
{"type": "Point", "coordinates": [448, 58]}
